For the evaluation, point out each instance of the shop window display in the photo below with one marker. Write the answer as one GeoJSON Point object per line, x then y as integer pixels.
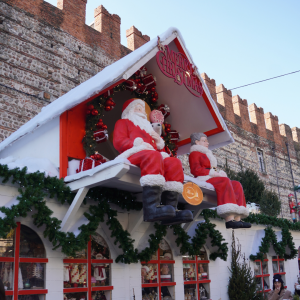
{"type": "Point", "coordinates": [157, 275]}
{"type": "Point", "coordinates": [88, 274]}
{"type": "Point", "coordinates": [299, 260]}
{"type": "Point", "coordinates": [262, 275]}
{"type": "Point", "coordinates": [196, 276]}
{"type": "Point", "coordinates": [278, 267]}
{"type": "Point", "coordinates": [23, 264]}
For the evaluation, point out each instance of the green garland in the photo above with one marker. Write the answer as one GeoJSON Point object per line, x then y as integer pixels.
{"type": "Point", "coordinates": [98, 104]}
{"type": "Point", "coordinates": [279, 247]}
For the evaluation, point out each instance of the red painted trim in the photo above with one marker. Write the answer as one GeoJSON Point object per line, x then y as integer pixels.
{"type": "Point", "coordinates": [204, 281]}
{"type": "Point", "coordinates": [75, 260]}
{"type": "Point", "coordinates": [33, 260]}
{"type": "Point", "coordinates": [33, 292]}
{"type": "Point", "coordinates": [149, 262]}
{"type": "Point", "coordinates": [7, 259]}
{"type": "Point", "coordinates": [102, 288]}
{"type": "Point", "coordinates": [150, 285]}
{"type": "Point", "coordinates": [75, 290]}
{"type": "Point", "coordinates": [167, 283]}
{"type": "Point", "coordinates": [180, 49]}
{"type": "Point", "coordinates": [203, 261]}
{"type": "Point", "coordinates": [89, 279]}
{"type": "Point", "coordinates": [104, 261]}
{"type": "Point", "coordinates": [16, 262]}
{"type": "Point", "coordinates": [263, 275]}
{"type": "Point", "coordinates": [9, 293]}
{"type": "Point", "coordinates": [189, 261]}
{"type": "Point", "coordinates": [167, 261]}
{"type": "Point", "coordinates": [260, 260]}
{"type": "Point", "coordinates": [63, 159]}
{"type": "Point", "coordinates": [280, 273]}
{"type": "Point", "coordinates": [190, 282]}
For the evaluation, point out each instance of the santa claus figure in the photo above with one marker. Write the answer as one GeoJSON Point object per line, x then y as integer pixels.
{"type": "Point", "coordinates": [292, 206]}
{"type": "Point", "coordinates": [230, 194]}
{"type": "Point", "coordinates": [162, 176]}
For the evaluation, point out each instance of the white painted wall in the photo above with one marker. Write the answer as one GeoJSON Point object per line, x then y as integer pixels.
{"type": "Point", "coordinates": [125, 278]}
{"type": "Point", "coordinates": [41, 143]}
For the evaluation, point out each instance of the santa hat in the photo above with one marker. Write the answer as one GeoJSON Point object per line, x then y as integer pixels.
{"type": "Point", "coordinates": [146, 268]}
{"type": "Point", "coordinates": [129, 105]}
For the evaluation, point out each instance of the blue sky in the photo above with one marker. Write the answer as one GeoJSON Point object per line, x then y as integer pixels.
{"type": "Point", "coordinates": [234, 42]}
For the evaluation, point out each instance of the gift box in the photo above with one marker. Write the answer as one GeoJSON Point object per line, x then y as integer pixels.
{"type": "Point", "coordinates": [165, 109]}
{"type": "Point", "coordinates": [204, 275]}
{"type": "Point", "coordinates": [101, 136]}
{"type": "Point", "coordinates": [130, 85]}
{"type": "Point", "coordinates": [88, 163]}
{"type": "Point", "coordinates": [175, 136]}
{"type": "Point", "coordinates": [149, 82]}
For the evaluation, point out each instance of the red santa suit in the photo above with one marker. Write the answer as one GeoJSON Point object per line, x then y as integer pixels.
{"type": "Point", "coordinates": [137, 145]}
{"type": "Point", "coordinates": [230, 194]}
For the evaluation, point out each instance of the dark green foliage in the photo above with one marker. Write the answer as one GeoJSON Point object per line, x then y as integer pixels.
{"type": "Point", "coordinates": [270, 204]}
{"type": "Point", "coordinates": [242, 283]}
{"type": "Point", "coordinates": [253, 186]}
{"type": "Point", "coordinates": [279, 247]}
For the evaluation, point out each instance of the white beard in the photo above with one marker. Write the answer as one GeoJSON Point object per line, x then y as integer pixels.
{"type": "Point", "coordinates": [138, 120]}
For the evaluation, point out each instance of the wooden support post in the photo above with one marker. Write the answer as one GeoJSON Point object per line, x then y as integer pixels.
{"type": "Point", "coordinates": [70, 215]}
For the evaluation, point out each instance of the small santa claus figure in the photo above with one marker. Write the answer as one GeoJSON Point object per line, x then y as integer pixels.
{"type": "Point", "coordinates": [230, 194]}
{"type": "Point", "coordinates": [292, 206]}
{"type": "Point", "coordinates": [162, 176]}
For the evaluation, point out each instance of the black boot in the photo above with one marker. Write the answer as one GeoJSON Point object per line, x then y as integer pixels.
{"type": "Point", "coordinates": [182, 216]}
{"type": "Point", "coordinates": [152, 209]}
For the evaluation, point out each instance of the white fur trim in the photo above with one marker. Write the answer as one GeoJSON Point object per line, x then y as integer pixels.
{"type": "Point", "coordinates": [131, 106]}
{"type": "Point", "coordinates": [204, 178]}
{"type": "Point", "coordinates": [212, 173]}
{"type": "Point", "coordinates": [173, 186]}
{"type": "Point", "coordinates": [161, 144]}
{"type": "Point", "coordinates": [164, 155]}
{"type": "Point", "coordinates": [209, 154]}
{"type": "Point", "coordinates": [138, 141]}
{"type": "Point", "coordinates": [152, 180]}
{"type": "Point", "coordinates": [133, 150]}
{"type": "Point", "coordinates": [244, 212]}
{"type": "Point", "coordinates": [228, 209]}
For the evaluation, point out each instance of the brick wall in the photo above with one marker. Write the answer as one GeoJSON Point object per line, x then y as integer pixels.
{"type": "Point", "coordinates": [264, 133]}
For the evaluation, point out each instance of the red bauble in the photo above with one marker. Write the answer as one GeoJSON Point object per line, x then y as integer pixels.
{"type": "Point", "coordinates": [104, 126]}
{"type": "Point", "coordinates": [94, 112]}
{"type": "Point", "coordinates": [99, 124]}
{"type": "Point", "coordinates": [153, 99]}
{"type": "Point", "coordinates": [110, 102]}
{"type": "Point", "coordinates": [91, 107]}
{"type": "Point", "coordinates": [88, 112]}
{"type": "Point", "coordinates": [168, 125]}
{"type": "Point", "coordinates": [167, 130]}
{"type": "Point", "coordinates": [108, 108]}
{"type": "Point", "coordinates": [155, 95]}
{"type": "Point", "coordinates": [137, 80]}
{"type": "Point", "coordinates": [153, 89]}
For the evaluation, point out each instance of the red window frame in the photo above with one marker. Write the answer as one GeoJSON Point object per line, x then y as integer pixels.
{"type": "Point", "coordinates": [197, 282]}
{"type": "Point", "coordinates": [278, 266]}
{"type": "Point", "coordinates": [159, 284]}
{"type": "Point", "coordinates": [17, 260]}
{"type": "Point", "coordinates": [89, 261]}
{"type": "Point", "coordinates": [262, 276]}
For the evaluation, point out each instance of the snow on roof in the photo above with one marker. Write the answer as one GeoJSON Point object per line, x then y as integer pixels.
{"type": "Point", "coordinates": [87, 89]}
{"type": "Point", "coordinates": [99, 82]}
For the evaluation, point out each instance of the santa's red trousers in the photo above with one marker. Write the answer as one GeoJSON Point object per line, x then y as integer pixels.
{"type": "Point", "coordinates": [228, 191]}
{"type": "Point", "coordinates": [151, 162]}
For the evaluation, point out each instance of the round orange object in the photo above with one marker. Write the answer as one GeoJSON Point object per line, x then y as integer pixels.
{"type": "Point", "coordinates": [192, 194]}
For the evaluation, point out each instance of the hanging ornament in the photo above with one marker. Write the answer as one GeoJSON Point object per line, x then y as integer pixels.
{"type": "Point", "coordinates": [153, 99]}
{"type": "Point", "coordinates": [130, 85]}
{"type": "Point", "coordinates": [149, 82]}
{"type": "Point", "coordinates": [88, 112]}
{"type": "Point", "coordinates": [108, 93]}
{"type": "Point", "coordinates": [100, 123]}
{"type": "Point", "coordinates": [110, 102]}
{"type": "Point", "coordinates": [108, 108]}
{"type": "Point", "coordinates": [167, 127]}
{"type": "Point", "coordinates": [165, 109]}
{"type": "Point", "coordinates": [91, 107]}
{"type": "Point", "coordinates": [94, 112]}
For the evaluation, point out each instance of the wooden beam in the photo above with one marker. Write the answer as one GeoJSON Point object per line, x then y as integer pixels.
{"type": "Point", "coordinates": [70, 215]}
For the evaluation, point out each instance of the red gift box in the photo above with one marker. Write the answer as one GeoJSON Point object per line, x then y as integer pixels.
{"type": "Point", "coordinates": [101, 136]}
{"type": "Point", "coordinates": [141, 89]}
{"type": "Point", "coordinates": [174, 136]}
{"type": "Point", "coordinates": [165, 109]}
{"type": "Point", "coordinates": [87, 164]}
{"type": "Point", "coordinates": [130, 85]}
{"type": "Point", "coordinates": [149, 82]}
